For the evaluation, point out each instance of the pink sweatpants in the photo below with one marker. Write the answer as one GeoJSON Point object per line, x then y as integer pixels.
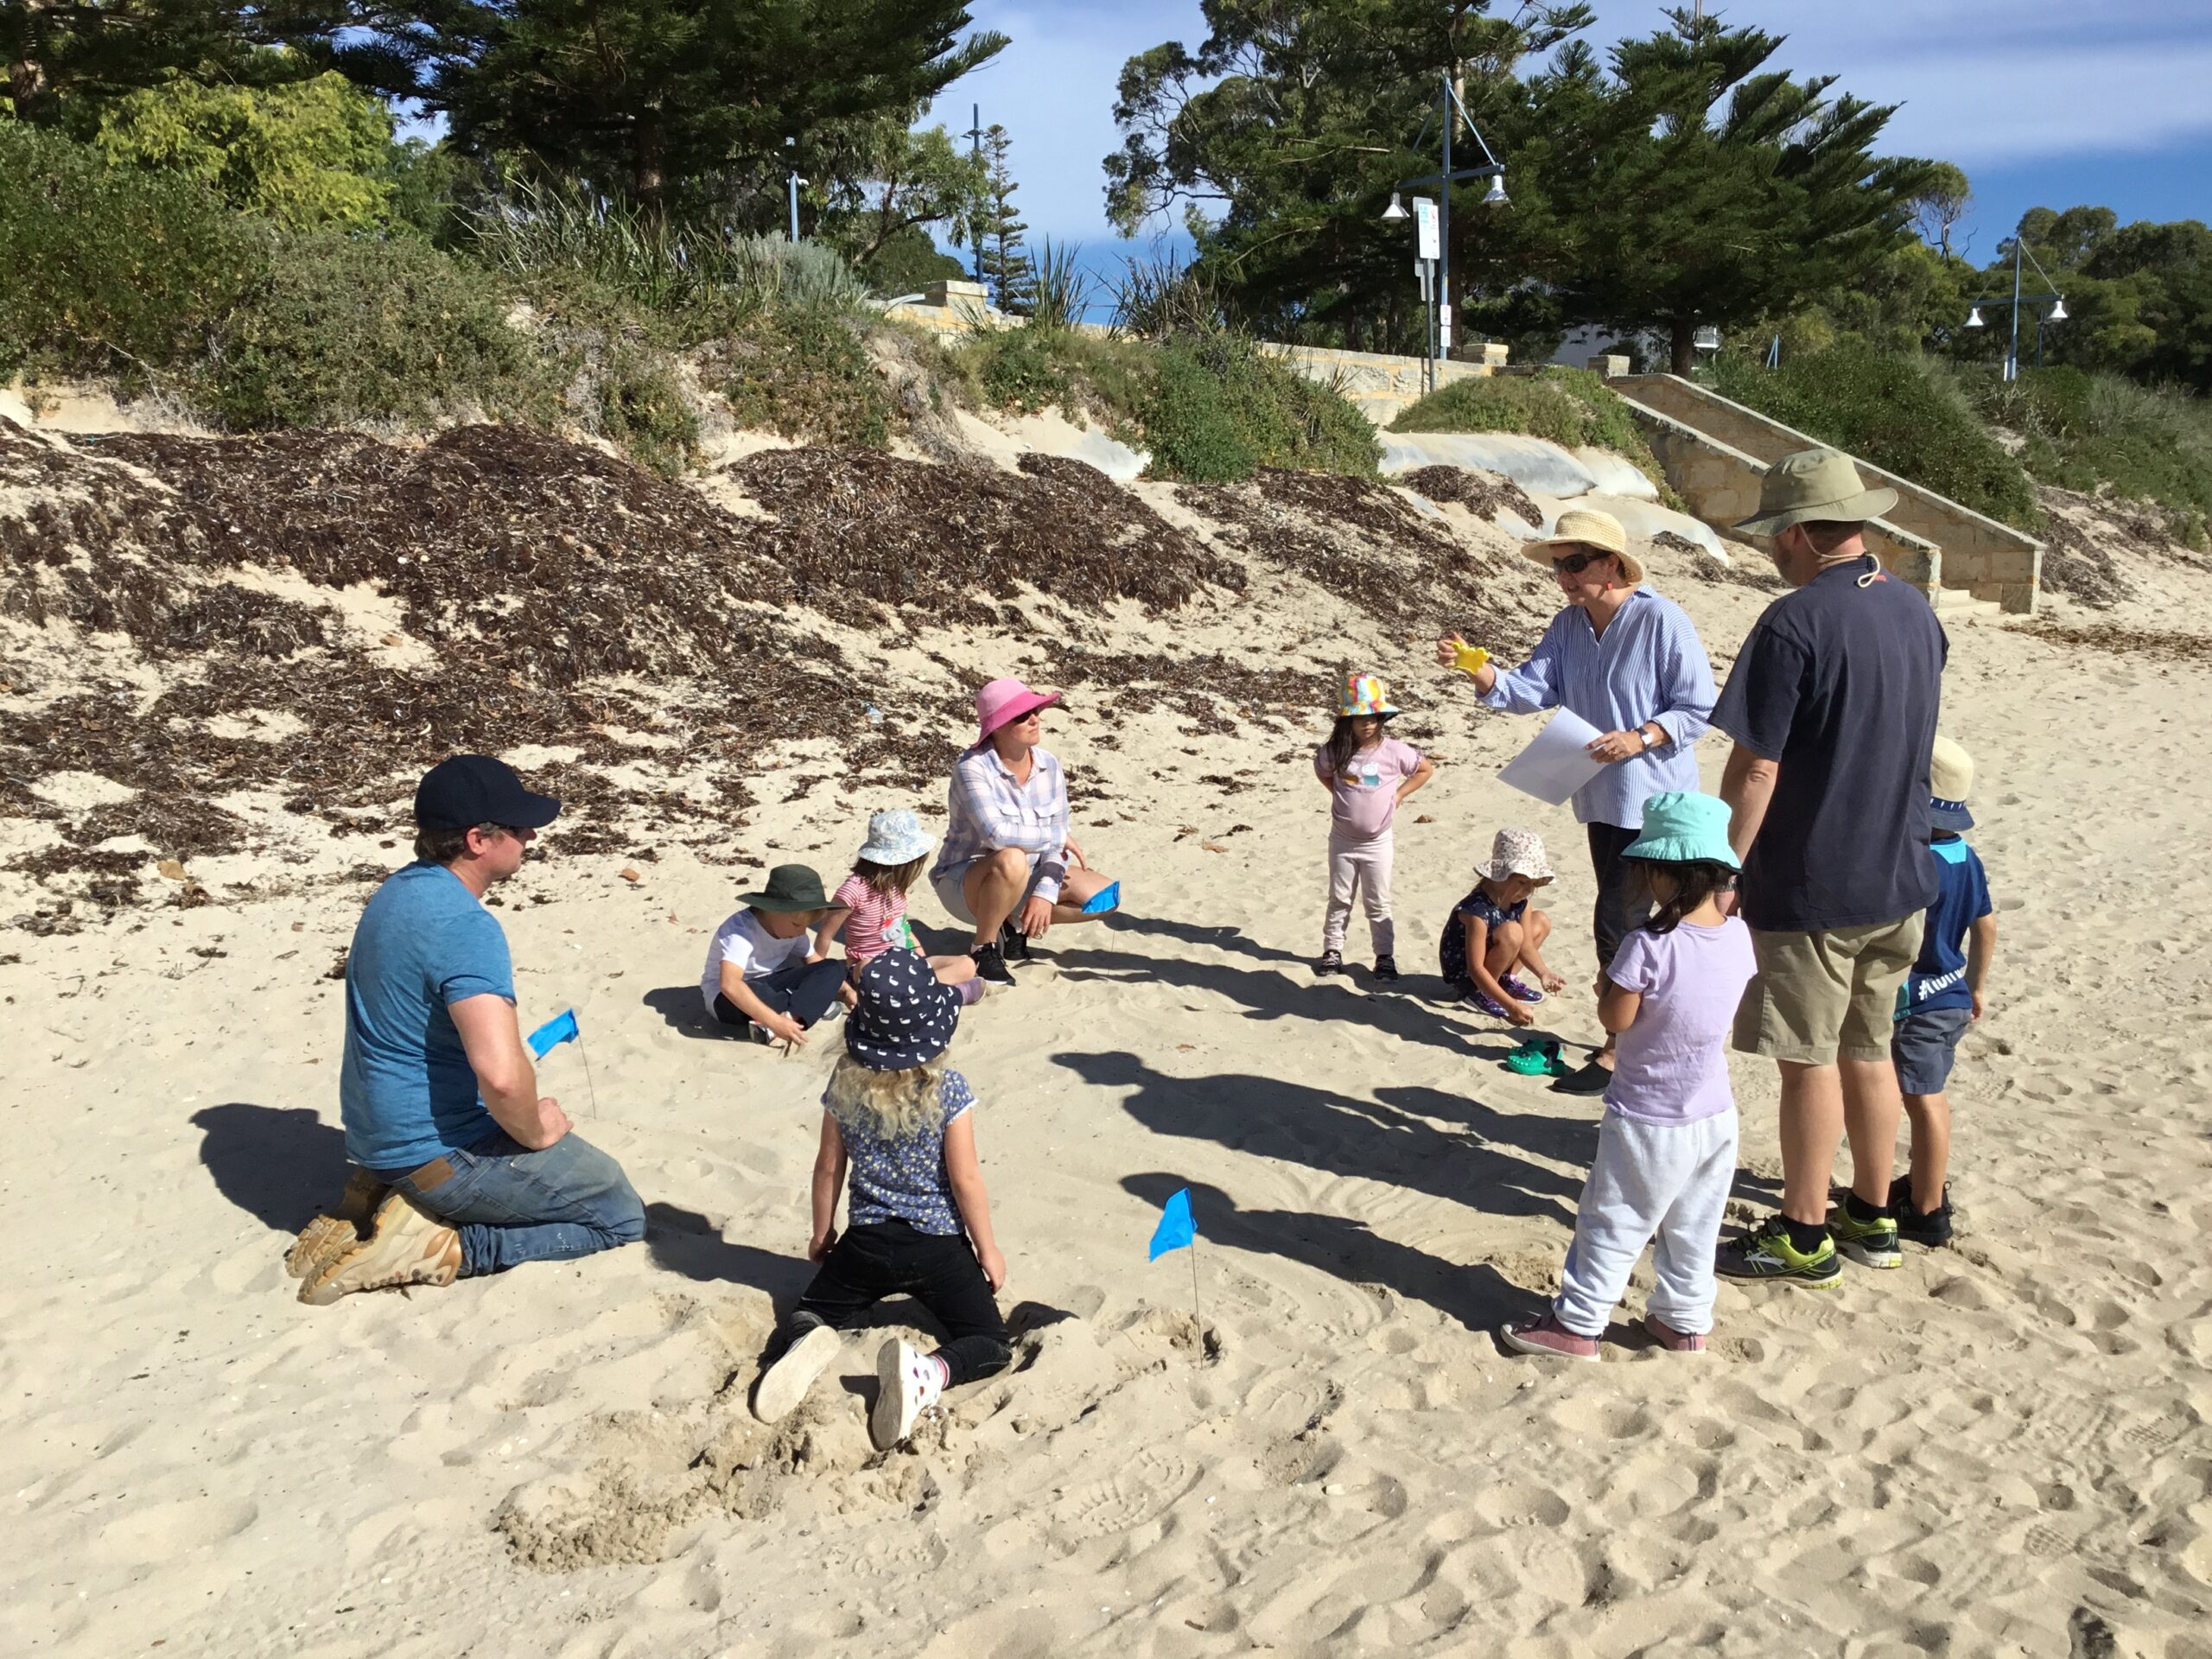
{"type": "Point", "coordinates": [1365, 865]}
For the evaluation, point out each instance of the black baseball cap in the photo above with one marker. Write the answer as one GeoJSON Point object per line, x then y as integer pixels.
{"type": "Point", "coordinates": [468, 790]}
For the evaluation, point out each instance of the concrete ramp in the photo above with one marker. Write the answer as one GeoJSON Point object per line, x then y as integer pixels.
{"type": "Point", "coordinates": [1715, 452]}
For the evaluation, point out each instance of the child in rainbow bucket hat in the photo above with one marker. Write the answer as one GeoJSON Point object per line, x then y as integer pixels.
{"type": "Point", "coordinates": [1368, 774]}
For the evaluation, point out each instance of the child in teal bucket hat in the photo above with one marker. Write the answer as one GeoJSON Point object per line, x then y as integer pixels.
{"type": "Point", "coordinates": [1667, 1144]}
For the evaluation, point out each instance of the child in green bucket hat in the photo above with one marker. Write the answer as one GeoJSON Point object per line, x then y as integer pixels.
{"type": "Point", "coordinates": [759, 975]}
{"type": "Point", "coordinates": [1667, 1144]}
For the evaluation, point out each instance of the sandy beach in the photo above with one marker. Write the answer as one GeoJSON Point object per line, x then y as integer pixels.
{"type": "Point", "coordinates": [2005, 1448]}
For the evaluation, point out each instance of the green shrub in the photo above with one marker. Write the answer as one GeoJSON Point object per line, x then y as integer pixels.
{"type": "Point", "coordinates": [1570, 407]}
{"type": "Point", "coordinates": [2088, 432]}
{"type": "Point", "coordinates": [346, 330]}
{"type": "Point", "coordinates": [1220, 408]}
{"type": "Point", "coordinates": [801, 370]}
{"type": "Point", "coordinates": [1895, 410]}
{"type": "Point", "coordinates": [104, 268]}
{"type": "Point", "coordinates": [642, 409]}
{"type": "Point", "coordinates": [1031, 368]}
{"type": "Point", "coordinates": [1022, 369]}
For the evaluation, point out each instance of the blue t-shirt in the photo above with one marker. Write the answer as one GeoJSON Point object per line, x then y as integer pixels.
{"type": "Point", "coordinates": [407, 1091]}
{"type": "Point", "coordinates": [1839, 684]}
{"type": "Point", "coordinates": [1939, 978]}
{"type": "Point", "coordinates": [905, 1180]}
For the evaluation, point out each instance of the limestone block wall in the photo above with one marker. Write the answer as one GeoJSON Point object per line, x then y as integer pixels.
{"type": "Point", "coordinates": [1989, 560]}
{"type": "Point", "coordinates": [1720, 484]}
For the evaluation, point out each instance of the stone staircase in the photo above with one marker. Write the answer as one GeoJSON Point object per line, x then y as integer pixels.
{"type": "Point", "coordinates": [1715, 452]}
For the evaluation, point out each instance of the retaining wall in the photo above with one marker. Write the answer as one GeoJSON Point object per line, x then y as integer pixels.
{"type": "Point", "coordinates": [1720, 484]}
{"type": "Point", "coordinates": [1380, 386]}
{"type": "Point", "coordinates": [1980, 555]}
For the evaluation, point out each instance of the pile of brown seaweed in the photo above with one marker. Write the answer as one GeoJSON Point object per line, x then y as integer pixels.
{"type": "Point", "coordinates": [539, 592]}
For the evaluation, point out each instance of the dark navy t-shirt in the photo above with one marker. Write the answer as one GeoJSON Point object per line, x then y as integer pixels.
{"type": "Point", "coordinates": [1451, 949]}
{"type": "Point", "coordinates": [1939, 978]}
{"type": "Point", "coordinates": [1840, 684]}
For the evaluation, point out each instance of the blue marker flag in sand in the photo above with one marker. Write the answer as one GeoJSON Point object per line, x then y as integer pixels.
{"type": "Point", "coordinates": [1176, 1229]}
{"type": "Point", "coordinates": [1106, 898]}
{"type": "Point", "coordinates": [561, 1028]}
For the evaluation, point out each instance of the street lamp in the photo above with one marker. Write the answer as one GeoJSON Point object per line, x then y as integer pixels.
{"type": "Point", "coordinates": [1492, 168]}
{"type": "Point", "coordinates": [2049, 308]}
{"type": "Point", "coordinates": [789, 143]}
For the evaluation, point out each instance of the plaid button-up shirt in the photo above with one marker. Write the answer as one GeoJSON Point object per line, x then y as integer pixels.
{"type": "Point", "coordinates": [988, 810]}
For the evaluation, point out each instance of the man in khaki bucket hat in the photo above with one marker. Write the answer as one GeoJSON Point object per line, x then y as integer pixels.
{"type": "Point", "coordinates": [1832, 705]}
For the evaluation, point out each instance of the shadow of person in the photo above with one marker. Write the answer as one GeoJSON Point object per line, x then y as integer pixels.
{"type": "Point", "coordinates": [1269, 994]}
{"type": "Point", "coordinates": [1231, 940]}
{"type": "Point", "coordinates": [280, 1164]}
{"type": "Point", "coordinates": [683, 1240]}
{"type": "Point", "coordinates": [1297, 1123]}
{"type": "Point", "coordinates": [683, 1012]}
{"type": "Point", "coordinates": [1476, 1294]}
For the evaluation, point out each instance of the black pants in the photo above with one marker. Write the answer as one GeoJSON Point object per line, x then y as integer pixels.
{"type": "Point", "coordinates": [1616, 914]}
{"type": "Point", "coordinates": [889, 1258]}
{"type": "Point", "coordinates": [804, 990]}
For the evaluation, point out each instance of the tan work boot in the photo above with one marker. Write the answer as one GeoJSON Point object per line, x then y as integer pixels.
{"type": "Point", "coordinates": [339, 1229]}
{"type": "Point", "coordinates": [406, 1246]}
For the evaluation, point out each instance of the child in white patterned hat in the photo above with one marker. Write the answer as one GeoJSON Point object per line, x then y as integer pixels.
{"type": "Point", "coordinates": [1368, 775]}
{"type": "Point", "coordinates": [870, 908]}
{"type": "Point", "coordinates": [1496, 930]}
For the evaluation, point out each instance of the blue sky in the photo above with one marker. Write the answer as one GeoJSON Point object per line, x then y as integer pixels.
{"type": "Point", "coordinates": [2042, 102]}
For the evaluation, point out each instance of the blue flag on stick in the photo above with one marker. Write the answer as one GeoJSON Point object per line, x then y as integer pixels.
{"type": "Point", "coordinates": [1176, 1229]}
{"type": "Point", "coordinates": [561, 1028]}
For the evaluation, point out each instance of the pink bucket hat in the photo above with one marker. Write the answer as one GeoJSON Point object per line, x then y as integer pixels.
{"type": "Point", "coordinates": [1001, 701]}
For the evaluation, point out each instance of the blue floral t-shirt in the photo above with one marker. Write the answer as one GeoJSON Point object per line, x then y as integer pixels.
{"type": "Point", "coordinates": [1451, 949]}
{"type": "Point", "coordinates": [905, 1180]}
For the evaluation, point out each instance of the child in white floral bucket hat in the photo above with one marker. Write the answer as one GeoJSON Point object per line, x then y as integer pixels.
{"type": "Point", "coordinates": [1495, 932]}
{"type": "Point", "coordinates": [1368, 774]}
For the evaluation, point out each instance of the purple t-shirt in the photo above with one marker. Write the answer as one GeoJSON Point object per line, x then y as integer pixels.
{"type": "Point", "coordinates": [1671, 1065]}
{"type": "Point", "coordinates": [1367, 789]}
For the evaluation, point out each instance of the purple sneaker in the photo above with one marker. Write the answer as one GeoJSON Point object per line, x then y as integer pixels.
{"type": "Point", "coordinates": [1521, 989]}
{"type": "Point", "coordinates": [1483, 1002]}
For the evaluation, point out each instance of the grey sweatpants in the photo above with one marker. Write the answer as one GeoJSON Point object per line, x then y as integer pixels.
{"type": "Point", "coordinates": [1362, 867]}
{"type": "Point", "coordinates": [1663, 1181]}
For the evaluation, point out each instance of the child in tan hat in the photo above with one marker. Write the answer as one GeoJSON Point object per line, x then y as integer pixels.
{"type": "Point", "coordinates": [1496, 929]}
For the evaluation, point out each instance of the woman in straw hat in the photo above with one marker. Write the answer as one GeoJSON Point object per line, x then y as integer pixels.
{"type": "Point", "coordinates": [1004, 867]}
{"type": "Point", "coordinates": [1628, 661]}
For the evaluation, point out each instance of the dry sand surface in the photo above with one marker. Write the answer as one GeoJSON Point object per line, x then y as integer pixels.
{"type": "Point", "coordinates": [2001, 1449]}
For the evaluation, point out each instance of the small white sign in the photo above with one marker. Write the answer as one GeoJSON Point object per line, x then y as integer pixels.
{"type": "Point", "coordinates": [1444, 328]}
{"type": "Point", "coordinates": [1426, 245]}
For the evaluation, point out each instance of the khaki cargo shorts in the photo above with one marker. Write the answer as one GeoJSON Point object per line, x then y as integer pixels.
{"type": "Point", "coordinates": [1819, 997]}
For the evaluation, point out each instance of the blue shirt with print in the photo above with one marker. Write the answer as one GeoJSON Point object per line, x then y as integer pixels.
{"type": "Point", "coordinates": [1939, 978]}
{"type": "Point", "coordinates": [407, 1091]}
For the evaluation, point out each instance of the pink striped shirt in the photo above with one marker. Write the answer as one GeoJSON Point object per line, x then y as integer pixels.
{"type": "Point", "coordinates": [878, 923]}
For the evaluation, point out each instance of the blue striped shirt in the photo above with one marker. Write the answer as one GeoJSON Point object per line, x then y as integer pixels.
{"type": "Point", "coordinates": [1650, 666]}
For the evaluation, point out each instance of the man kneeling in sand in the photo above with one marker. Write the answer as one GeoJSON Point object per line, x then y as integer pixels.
{"type": "Point", "coordinates": [461, 1167]}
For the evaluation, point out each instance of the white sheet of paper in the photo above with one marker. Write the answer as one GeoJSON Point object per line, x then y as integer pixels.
{"type": "Point", "coordinates": [1557, 763]}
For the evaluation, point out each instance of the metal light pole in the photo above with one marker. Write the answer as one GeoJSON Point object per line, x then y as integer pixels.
{"type": "Point", "coordinates": [1492, 168]}
{"type": "Point", "coordinates": [976, 153]}
{"type": "Point", "coordinates": [793, 184]}
{"type": "Point", "coordinates": [2049, 308]}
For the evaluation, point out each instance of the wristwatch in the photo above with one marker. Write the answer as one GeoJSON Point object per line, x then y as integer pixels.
{"type": "Point", "coordinates": [1643, 736]}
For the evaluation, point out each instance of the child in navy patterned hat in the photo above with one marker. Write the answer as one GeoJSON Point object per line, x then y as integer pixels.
{"type": "Point", "coordinates": [900, 1121]}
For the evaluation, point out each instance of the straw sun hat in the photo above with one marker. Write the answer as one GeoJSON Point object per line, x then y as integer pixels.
{"type": "Point", "coordinates": [1600, 532]}
{"type": "Point", "coordinates": [1815, 487]}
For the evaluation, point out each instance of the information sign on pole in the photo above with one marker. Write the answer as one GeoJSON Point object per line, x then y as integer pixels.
{"type": "Point", "coordinates": [1426, 244]}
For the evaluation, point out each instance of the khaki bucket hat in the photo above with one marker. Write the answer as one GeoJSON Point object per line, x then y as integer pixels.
{"type": "Point", "coordinates": [1585, 527]}
{"type": "Point", "coordinates": [1814, 486]}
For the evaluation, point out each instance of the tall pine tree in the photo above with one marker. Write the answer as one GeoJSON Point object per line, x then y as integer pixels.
{"type": "Point", "coordinates": [1008, 272]}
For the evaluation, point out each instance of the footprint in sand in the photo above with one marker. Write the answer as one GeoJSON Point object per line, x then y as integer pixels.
{"type": "Point", "coordinates": [1144, 1492]}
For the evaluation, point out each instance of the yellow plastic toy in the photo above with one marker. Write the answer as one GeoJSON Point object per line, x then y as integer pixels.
{"type": "Point", "coordinates": [1470, 657]}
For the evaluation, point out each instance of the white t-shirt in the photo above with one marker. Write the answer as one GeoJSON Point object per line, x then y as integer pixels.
{"type": "Point", "coordinates": [758, 953]}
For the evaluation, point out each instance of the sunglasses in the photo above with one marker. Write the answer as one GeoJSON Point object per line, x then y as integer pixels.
{"type": "Point", "coordinates": [1575, 564]}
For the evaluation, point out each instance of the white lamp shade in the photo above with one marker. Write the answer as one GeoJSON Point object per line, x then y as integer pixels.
{"type": "Point", "coordinates": [1397, 209]}
{"type": "Point", "coordinates": [2058, 312]}
{"type": "Point", "coordinates": [1496, 197]}
{"type": "Point", "coordinates": [1974, 318]}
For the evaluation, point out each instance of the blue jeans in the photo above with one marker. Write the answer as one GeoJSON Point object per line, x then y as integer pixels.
{"type": "Point", "coordinates": [512, 1205]}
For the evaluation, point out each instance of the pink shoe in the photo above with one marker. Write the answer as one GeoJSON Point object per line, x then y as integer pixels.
{"type": "Point", "coordinates": [1548, 1338]}
{"type": "Point", "coordinates": [1674, 1341]}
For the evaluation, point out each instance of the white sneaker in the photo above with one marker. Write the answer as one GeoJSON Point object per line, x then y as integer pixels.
{"type": "Point", "coordinates": [908, 1384]}
{"type": "Point", "coordinates": [786, 1382]}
